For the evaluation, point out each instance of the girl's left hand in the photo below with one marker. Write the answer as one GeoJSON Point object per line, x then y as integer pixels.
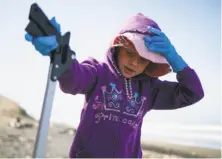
{"type": "Point", "coordinates": [160, 43]}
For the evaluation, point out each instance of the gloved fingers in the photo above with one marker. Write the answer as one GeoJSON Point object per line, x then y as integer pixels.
{"type": "Point", "coordinates": [158, 45]}
{"type": "Point", "coordinates": [54, 46]}
{"type": "Point", "coordinates": [158, 38]}
{"type": "Point", "coordinates": [40, 48]}
{"type": "Point", "coordinates": [47, 40]}
{"type": "Point", "coordinates": [156, 49]}
{"type": "Point", "coordinates": [44, 45]}
{"type": "Point", "coordinates": [150, 43]}
{"type": "Point", "coordinates": [154, 38]}
{"type": "Point", "coordinates": [36, 43]}
{"type": "Point", "coordinates": [44, 50]}
{"type": "Point", "coordinates": [48, 50]}
{"type": "Point", "coordinates": [154, 31]}
{"type": "Point", "coordinates": [157, 41]}
{"type": "Point", "coordinates": [28, 37]}
{"type": "Point", "coordinates": [55, 24]}
{"type": "Point", "coordinates": [147, 39]}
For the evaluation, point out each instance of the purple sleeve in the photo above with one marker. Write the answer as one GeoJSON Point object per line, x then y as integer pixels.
{"type": "Point", "coordinates": [80, 78]}
{"type": "Point", "coordinates": [167, 95]}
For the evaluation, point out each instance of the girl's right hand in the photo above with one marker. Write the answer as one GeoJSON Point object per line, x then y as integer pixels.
{"type": "Point", "coordinates": [45, 44]}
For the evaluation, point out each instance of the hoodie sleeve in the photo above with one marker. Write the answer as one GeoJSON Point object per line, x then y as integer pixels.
{"type": "Point", "coordinates": [168, 95]}
{"type": "Point", "coordinates": [80, 78]}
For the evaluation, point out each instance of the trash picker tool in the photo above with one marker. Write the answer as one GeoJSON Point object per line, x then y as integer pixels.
{"type": "Point", "coordinates": [60, 60]}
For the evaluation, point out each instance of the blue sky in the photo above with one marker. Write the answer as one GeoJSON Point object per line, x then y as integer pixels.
{"type": "Point", "coordinates": [193, 26]}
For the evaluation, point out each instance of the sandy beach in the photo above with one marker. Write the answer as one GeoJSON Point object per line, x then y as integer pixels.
{"type": "Point", "coordinates": [18, 142]}
{"type": "Point", "coordinates": [18, 132]}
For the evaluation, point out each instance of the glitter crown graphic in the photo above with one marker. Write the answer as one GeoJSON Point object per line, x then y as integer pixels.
{"type": "Point", "coordinates": [135, 106]}
{"type": "Point", "coordinates": [112, 99]}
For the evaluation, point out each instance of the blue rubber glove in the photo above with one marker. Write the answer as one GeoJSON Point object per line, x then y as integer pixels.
{"type": "Point", "coordinates": [45, 44]}
{"type": "Point", "coordinates": [161, 44]}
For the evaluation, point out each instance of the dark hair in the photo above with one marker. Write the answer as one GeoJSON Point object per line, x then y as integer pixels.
{"type": "Point", "coordinates": [117, 50]}
{"type": "Point", "coordinates": [151, 66]}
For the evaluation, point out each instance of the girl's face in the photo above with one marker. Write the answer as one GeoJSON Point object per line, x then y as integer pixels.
{"type": "Point", "coordinates": [130, 62]}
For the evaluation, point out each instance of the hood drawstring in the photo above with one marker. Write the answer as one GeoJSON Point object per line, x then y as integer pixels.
{"type": "Point", "coordinates": [128, 85]}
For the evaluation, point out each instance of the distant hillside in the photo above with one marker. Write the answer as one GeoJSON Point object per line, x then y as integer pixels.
{"type": "Point", "coordinates": [11, 109]}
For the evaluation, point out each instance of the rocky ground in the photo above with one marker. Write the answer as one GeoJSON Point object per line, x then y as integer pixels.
{"type": "Point", "coordinates": [17, 140]}
{"type": "Point", "coordinates": [18, 132]}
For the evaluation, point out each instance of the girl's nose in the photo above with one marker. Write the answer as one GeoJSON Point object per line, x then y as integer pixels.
{"type": "Point", "coordinates": [135, 62]}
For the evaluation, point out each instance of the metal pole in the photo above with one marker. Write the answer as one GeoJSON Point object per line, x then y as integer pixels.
{"type": "Point", "coordinates": [43, 127]}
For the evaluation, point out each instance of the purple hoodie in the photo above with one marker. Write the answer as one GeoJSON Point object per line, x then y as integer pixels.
{"type": "Point", "coordinates": [111, 121]}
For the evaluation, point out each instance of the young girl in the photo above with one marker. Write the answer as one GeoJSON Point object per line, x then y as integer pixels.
{"type": "Point", "coordinates": [120, 91]}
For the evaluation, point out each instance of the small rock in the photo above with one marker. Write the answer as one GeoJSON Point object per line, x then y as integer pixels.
{"type": "Point", "coordinates": [70, 131]}
{"type": "Point", "coordinates": [18, 123]}
{"type": "Point", "coordinates": [15, 123]}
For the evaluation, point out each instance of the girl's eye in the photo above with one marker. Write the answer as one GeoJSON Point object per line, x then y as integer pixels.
{"type": "Point", "coordinates": [130, 54]}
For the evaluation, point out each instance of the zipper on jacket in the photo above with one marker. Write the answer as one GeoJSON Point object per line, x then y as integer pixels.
{"type": "Point", "coordinates": [116, 136]}
{"type": "Point", "coordinates": [120, 117]}
{"type": "Point", "coordinates": [119, 122]}
{"type": "Point", "coordinates": [114, 141]}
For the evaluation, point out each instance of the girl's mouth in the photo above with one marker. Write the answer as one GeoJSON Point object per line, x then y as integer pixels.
{"type": "Point", "coordinates": [128, 70]}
